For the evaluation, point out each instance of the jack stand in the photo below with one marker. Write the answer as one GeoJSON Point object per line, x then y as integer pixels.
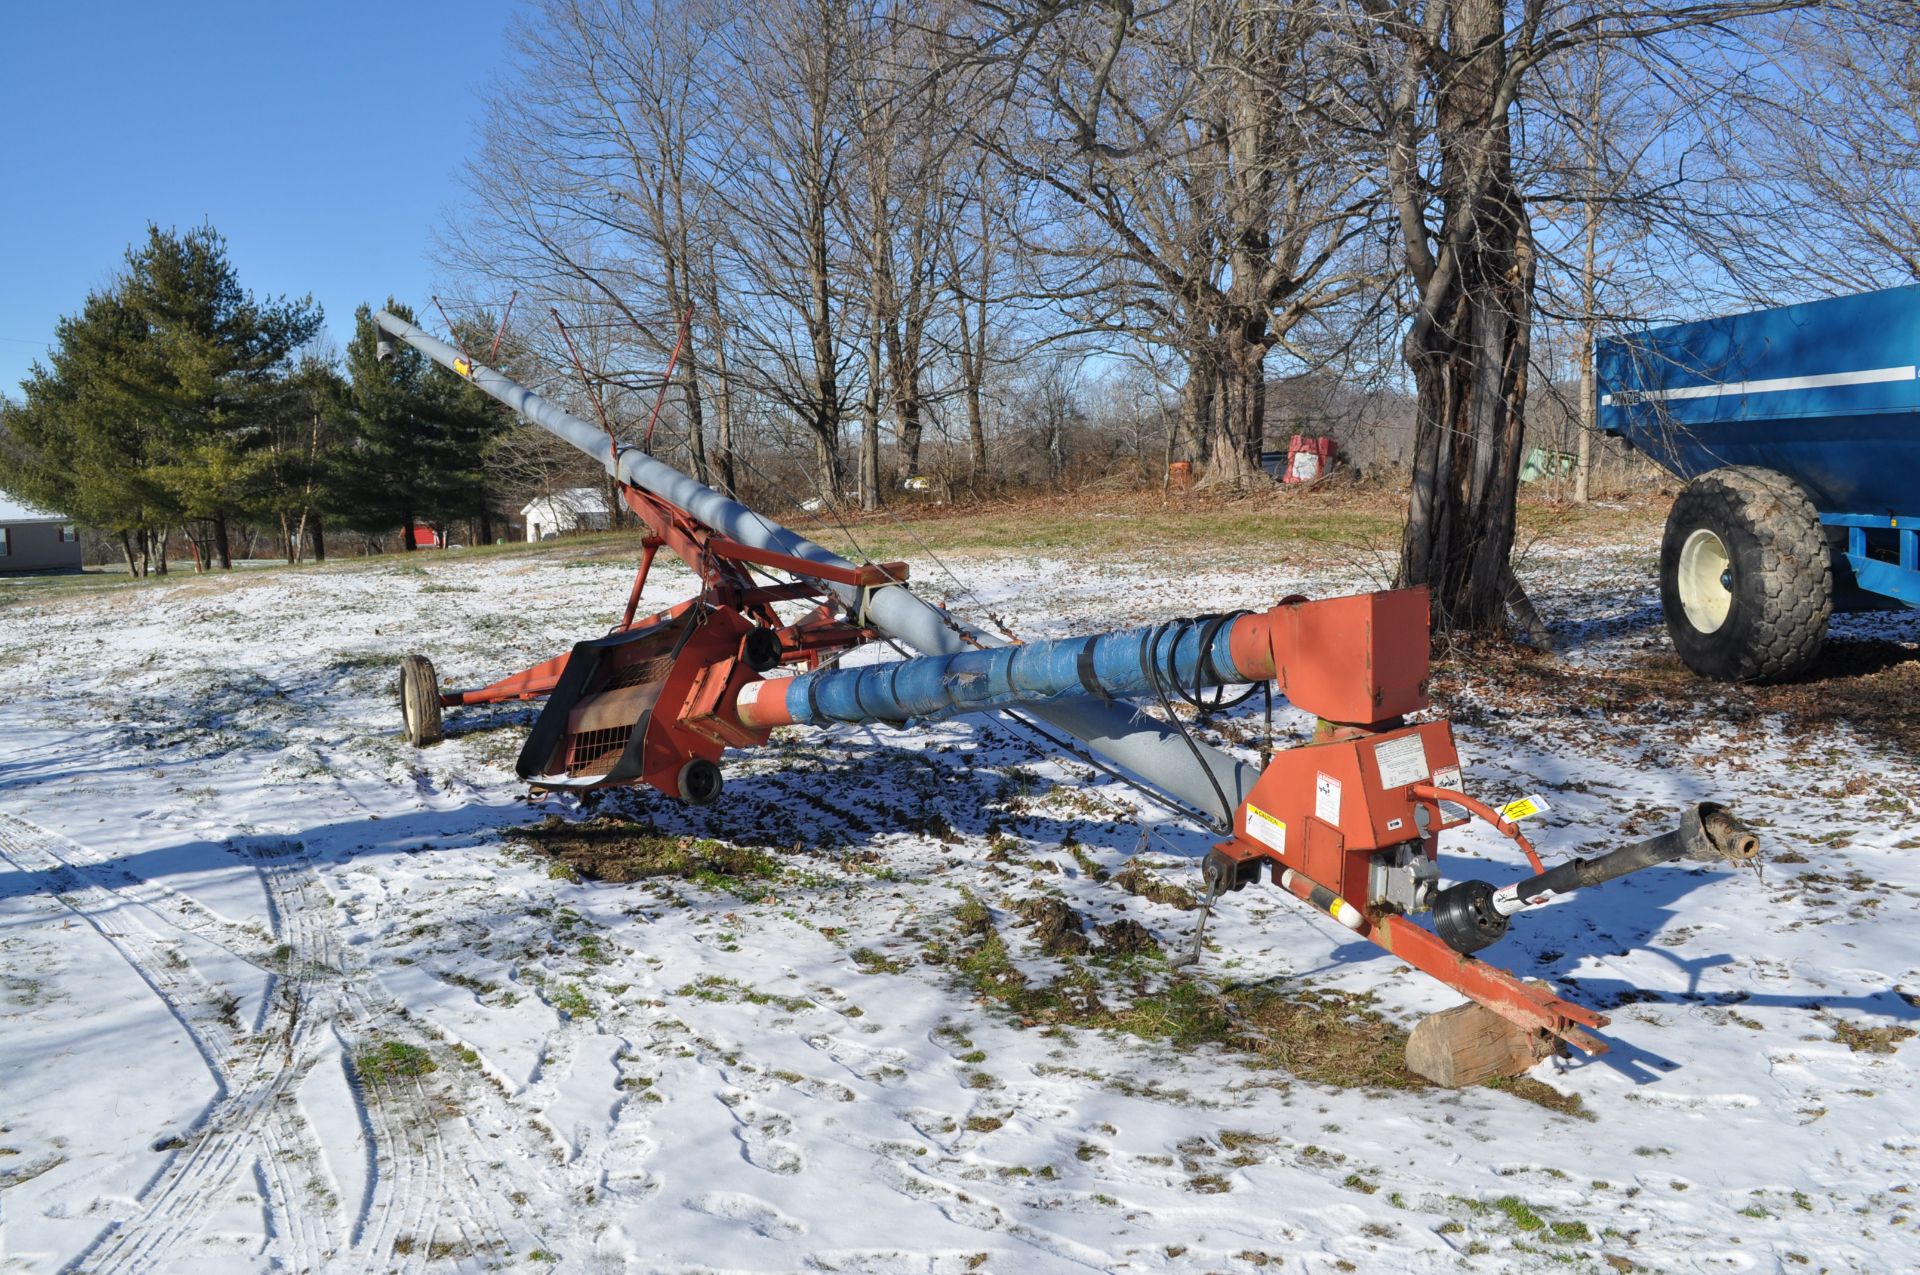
{"type": "Point", "coordinates": [1216, 886]}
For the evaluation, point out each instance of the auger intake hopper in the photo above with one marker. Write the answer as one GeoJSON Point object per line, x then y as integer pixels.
{"type": "Point", "coordinates": [623, 711]}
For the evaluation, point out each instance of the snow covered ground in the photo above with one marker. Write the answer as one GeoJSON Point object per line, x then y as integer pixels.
{"type": "Point", "coordinates": [279, 992]}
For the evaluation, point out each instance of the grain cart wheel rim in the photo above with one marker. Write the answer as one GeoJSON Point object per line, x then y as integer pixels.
{"type": "Point", "coordinates": [1746, 576]}
{"type": "Point", "coordinates": [419, 700]}
{"type": "Point", "coordinates": [1705, 580]}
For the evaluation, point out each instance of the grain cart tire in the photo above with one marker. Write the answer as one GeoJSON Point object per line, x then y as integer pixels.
{"type": "Point", "coordinates": [419, 700]}
{"type": "Point", "coordinates": [1745, 577]}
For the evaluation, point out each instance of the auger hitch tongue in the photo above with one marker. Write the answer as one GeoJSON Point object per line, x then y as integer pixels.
{"type": "Point", "coordinates": [1473, 914]}
{"type": "Point", "coordinates": [1348, 822]}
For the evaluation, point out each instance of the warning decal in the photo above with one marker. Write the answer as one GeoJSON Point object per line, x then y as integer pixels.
{"type": "Point", "coordinates": [1402, 761]}
{"type": "Point", "coordinates": [1515, 811]}
{"type": "Point", "coordinates": [1264, 828]}
{"type": "Point", "coordinates": [1448, 777]}
{"type": "Point", "coordinates": [1326, 799]}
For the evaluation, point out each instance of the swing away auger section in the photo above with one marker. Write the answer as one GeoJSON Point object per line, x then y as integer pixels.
{"type": "Point", "coordinates": [1349, 822]}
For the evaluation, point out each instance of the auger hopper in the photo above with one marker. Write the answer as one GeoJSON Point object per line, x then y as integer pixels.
{"type": "Point", "coordinates": [1349, 822]}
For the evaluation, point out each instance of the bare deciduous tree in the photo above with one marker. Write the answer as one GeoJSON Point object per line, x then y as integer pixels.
{"type": "Point", "coordinates": [1825, 172]}
{"type": "Point", "coordinates": [1446, 76]}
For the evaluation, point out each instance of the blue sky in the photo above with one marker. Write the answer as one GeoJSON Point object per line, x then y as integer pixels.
{"type": "Point", "coordinates": [324, 141]}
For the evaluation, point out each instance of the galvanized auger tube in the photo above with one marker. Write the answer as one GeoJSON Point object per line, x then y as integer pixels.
{"type": "Point", "coordinates": [1473, 914]}
{"type": "Point", "coordinates": [1180, 655]}
{"type": "Point", "coordinates": [1192, 772]}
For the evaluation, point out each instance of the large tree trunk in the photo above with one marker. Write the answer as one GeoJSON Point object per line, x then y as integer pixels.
{"type": "Point", "coordinates": [907, 411]}
{"type": "Point", "coordinates": [904, 348]}
{"type": "Point", "coordinates": [221, 545]}
{"type": "Point", "coordinates": [1197, 406]}
{"type": "Point", "coordinates": [972, 373]}
{"type": "Point", "coordinates": [1238, 422]}
{"type": "Point", "coordinates": [976, 436]}
{"type": "Point", "coordinates": [1468, 346]}
{"type": "Point", "coordinates": [696, 422]}
{"type": "Point", "coordinates": [826, 455]}
{"type": "Point", "coordinates": [406, 532]}
{"type": "Point", "coordinates": [133, 560]}
{"type": "Point", "coordinates": [1589, 323]}
{"type": "Point", "coordinates": [317, 532]}
{"type": "Point", "coordinates": [825, 389]}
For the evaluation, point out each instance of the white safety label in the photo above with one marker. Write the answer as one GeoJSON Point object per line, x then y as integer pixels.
{"type": "Point", "coordinates": [1448, 777]}
{"type": "Point", "coordinates": [1264, 828]}
{"type": "Point", "coordinates": [1326, 799]}
{"type": "Point", "coordinates": [1402, 761]}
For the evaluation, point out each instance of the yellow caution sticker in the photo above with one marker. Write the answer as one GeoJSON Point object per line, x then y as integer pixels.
{"type": "Point", "coordinates": [464, 367]}
{"type": "Point", "coordinates": [1264, 828]}
{"type": "Point", "coordinates": [1515, 811]}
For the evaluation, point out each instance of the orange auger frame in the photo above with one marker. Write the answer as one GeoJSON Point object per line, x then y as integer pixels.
{"type": "Point", "coordinates": [1333, 821]}
{"type": "Point", "coordinates": [1349, 822]}
{"type": "Point", "coordinates": [684, 714]}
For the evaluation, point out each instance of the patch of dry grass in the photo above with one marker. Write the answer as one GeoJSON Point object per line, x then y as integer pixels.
{"type": "Point", "coordinates": [615, 849]}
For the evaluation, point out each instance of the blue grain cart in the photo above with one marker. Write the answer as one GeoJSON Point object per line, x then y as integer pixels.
{"type": "Point", "coordinates": [1798, 430]}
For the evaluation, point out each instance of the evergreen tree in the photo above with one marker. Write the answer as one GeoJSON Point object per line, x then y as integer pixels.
{"type": "Point", "coordinates": [211, 373]}
{"type": "Point", "coordinates": [420, 438]}
{"type": "Point", "coordinates": [304, 435]}
{"type": "Point", "coordinates": [391, 471]}
{"type": "Point", "coordinates": [475, 422]}
{"type": "Point", "coordinates": [80, 442]}
{"type": "Point", "coordinates": [161, 398]}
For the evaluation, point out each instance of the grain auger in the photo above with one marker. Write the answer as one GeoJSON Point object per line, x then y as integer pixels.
{"type": "Point", "coordinates": [1349, 822]}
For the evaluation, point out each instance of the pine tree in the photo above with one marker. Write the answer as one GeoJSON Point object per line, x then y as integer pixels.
{"type": "Point", "coordinates": [394, 471]}
{"type": "Point", "coordinates": [211, 373]}
{"type": "Point", "coordinates": [420, 440]}
{"type": "Point", "coordinates": [80, 442]}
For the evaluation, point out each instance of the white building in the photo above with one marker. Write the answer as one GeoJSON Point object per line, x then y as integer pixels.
{"type": "Point", "coordinates": [35, 540]}
{"type": "Point", "coordinates": [570, 509]}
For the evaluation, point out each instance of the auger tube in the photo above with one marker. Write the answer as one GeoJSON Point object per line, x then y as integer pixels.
{"type": "Point", "coordinates": [1117, 731]}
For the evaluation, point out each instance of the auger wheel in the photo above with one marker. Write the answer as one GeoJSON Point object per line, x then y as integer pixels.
{"type": "Point", "coordinates": [419, 701]}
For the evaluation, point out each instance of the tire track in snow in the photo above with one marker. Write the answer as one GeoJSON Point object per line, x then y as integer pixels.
{"type": "Point", "coordinates": [236, 1125]}
{"type": "Point", "coordinates": [412, 1197]}
{"type": "Point", "coordinates": [255, 1120]}
{"type": "Point", "coordinates": [424, 1196]}
{"type": "Point", "coordinates": [399, 1194]}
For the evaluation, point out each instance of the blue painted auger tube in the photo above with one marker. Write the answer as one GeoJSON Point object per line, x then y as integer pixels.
{"type": "Point", "coordinates": [1193, 654]}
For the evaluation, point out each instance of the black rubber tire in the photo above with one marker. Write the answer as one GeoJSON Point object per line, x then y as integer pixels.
{"type": "Point", "coordinates": [761, 649]}
{"type": "Point", "coordinates": [419, 701]}
{"type": "Point", "coordinates": [1779, 574]}
{"type": "Point", "coordinates": [700, 782]}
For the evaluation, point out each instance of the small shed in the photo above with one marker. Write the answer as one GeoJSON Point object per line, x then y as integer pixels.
{"type": "Point", "coordinates": [35, 540]}
{"type": "Point", "coordinates": [570, 509]}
